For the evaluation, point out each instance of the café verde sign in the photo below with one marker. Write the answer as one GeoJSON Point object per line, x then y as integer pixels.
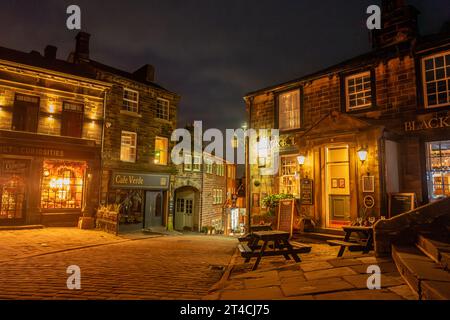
{"type": "Point", "coordinates": [129, 180]}
{"type": "Point", "coordinates": [434, 122]}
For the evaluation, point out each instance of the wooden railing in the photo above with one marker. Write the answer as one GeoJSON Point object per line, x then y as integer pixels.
{"type": "Point", "coordinates": [403, 229]}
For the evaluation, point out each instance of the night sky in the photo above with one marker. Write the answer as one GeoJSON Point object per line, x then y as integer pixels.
{"type": "Point", "coordinates": [210, 52]}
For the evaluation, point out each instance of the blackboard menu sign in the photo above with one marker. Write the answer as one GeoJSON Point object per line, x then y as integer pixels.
{"type": "Point", "coordinates": [307, 191]}
{"type": "Point", "coordinates": [286, 215]}
{"type": "Point", "coordinates": [400, 203]}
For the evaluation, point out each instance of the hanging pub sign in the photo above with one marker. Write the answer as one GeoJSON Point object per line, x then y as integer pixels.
{"type": "Point", "coordinates": [306, 190]}
{"type": "Point", "coordinates": [400, 203]}
{"type": "Point", "coordinates": [286, 215]}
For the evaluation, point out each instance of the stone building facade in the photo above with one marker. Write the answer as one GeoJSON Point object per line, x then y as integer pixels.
{"type": "Point", "coordinates": [203, 193]}
{"type": "Point", "coordinates": [51, 120]}
{"type": "Point", "coordinates": [354, 134]}
{"type": "Point", "coordinates": [140, 116]}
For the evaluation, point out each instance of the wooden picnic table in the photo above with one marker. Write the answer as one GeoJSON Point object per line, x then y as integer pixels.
{"type": "Point", "coordinates": [254, 228]}
{"type": "Point", "coordinates": [364, 244]}
{"type": "Point", "coordinates": [281, 246]}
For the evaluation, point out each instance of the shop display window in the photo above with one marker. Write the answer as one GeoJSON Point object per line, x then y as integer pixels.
{"type": "Point", "coordinates": [12, 196]}
{"type": "Point", "coordinates": [289, 178]}
{"type": "Point", "coordinates": [438, 169]}
{"type": "Point", "coordinates": [62, 184]}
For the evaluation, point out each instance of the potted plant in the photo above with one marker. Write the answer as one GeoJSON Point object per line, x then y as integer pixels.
{"type": "Point", "coordinates": [272, 201]}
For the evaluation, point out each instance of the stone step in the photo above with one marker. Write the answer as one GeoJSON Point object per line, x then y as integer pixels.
{"type": "Point", "coordinates": [436, 250]}
{"type": "Point", "coordinates": [425, 277]}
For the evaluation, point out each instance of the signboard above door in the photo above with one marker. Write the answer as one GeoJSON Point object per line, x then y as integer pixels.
{"type": "Point", "coordinates": [128, 180]}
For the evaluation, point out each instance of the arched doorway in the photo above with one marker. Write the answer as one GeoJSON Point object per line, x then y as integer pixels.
{"type": "Point", "coordinates": [186, 216]}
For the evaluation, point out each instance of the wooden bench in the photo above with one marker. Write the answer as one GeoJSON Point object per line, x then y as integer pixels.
{"type": "Point", "coordinates": [351, 245]}
{"type": "Point", "coordinates": [364, 245]}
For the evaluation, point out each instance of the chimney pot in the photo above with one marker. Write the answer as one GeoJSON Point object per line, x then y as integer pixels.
{"type": "Point", "coordinates": [50, 52]}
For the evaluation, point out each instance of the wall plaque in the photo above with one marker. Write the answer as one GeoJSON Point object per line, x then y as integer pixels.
{"type": "Point", "coordinates": [400, 203]}
{"type": "Point", "coordinates": [128, 180]}
{"type": "Point", "coordinates": [307, 194]}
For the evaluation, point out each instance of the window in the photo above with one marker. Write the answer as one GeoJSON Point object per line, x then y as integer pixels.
{"type": "Point", "coordinates": [219, 169]}
{"type": "Point", "coordinates": [128, 147]}
{"type": "Point", "coordinates": [438, 169]}
{"type": "Point", "coordinates": [436, 75]}
{"type": "Point", "coordinates": [217, 196]}
{"type": "Point", "coordinates": [208, 166]}
{"type": "Point", "coordinates": [231, 172]}
{"type": "Point", "coordinates": [180, 205]}
{"type": "Point", "coordinates": [130, 100]}
{"type": "Point", "coordinates": [187, 162]}
{"type": "Point", "coordinates": [197, 163]}
{"type": "Point", "coordinates": [25, 113]}
{"type": "Point", "coordinates": [72, 120]}
{"type": "Point", "coordinates": [289, 110]}
{"type": "Point", "coordinates": [62, 184]}
{"type": "Point", "coordinates": [162, 109]}
{"type": "Point", "coordinates": [358, 91]}
{"type": "Point", "coordinates": [161, 147]}
{"type": "Point", "coordinates": [288, 179]}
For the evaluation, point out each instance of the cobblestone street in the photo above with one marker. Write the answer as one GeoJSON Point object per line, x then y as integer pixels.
{"type": "Point", "coordinates": [33, 265]}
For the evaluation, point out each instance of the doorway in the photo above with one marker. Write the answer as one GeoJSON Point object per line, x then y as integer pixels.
{"type": "Point", "coordinates": [153, 209]}
{"type": "Point", "coordinates": [184, 210]}
{"type": "Point", "coordinates": [337, 186]}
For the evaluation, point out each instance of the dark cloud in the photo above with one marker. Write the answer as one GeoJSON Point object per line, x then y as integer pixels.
{"type": "Point", "coordinates": [211, 52]}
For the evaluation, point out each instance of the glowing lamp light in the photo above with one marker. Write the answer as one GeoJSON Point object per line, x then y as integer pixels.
{"type": "Point", "coordinates": [301, 160]}
{"type": "Point", "coordinates": [362, 154]}
{"type": "Point", "coordinates": [51, 108]}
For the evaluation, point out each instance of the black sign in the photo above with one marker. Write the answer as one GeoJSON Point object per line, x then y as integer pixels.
{"type": "Point", "coordinates": [140, 181]}
{"type": "Point", "coordinates": [306, 187]}
{"type": "Point", "coordinates": [400, 203]}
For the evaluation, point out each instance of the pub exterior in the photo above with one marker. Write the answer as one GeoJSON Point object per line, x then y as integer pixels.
{"type": "Point", "coordinates": [357, 133]}
{"type": "Point", "coordinates": [51, 119]}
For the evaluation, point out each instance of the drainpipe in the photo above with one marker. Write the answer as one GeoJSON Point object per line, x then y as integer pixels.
{"type": "Point", "coordinates": [102, 146]}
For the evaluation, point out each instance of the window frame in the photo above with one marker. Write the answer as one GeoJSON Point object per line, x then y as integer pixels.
{"type": "Point", "coordinates": [166, 151]}
{"type": "Point", "coordinates": [194, 164]}
{"type": "Point", "coordinates": [300, 106]}
{"type": "Point", "coordinates": [131, 101]}
{"type": "Point", "coordinates": [372, 83]}
{"type": "Point", "coordinates": [122, 145]}
{"type": "Point", "coordinates": [65, 112]}
{"type": "Point", "coordinates": [168, 109]}
{"type": "Point", "coordinates": [446, 79]}
{"type": "Point", "coordinates": [187, 166]}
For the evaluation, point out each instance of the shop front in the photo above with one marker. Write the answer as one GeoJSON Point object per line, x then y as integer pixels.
{"type": "Point", "coordinates": [49, 181]}
{"type": "Point", "coordinates": [142, 198]}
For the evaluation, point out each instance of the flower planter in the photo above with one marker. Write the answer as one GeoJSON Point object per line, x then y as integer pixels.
{"type": "Point", "coordinates": [86, 223]}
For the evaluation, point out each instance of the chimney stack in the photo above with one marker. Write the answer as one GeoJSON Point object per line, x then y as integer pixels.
{"type": "Point", "coordinates": [146, 73]}
{"type": "Point", "coordinates": [82, 46]}
{"type": "Point", "coordinates": [50, 52]}
{"type": "Point", "coordinates": [398, 24]}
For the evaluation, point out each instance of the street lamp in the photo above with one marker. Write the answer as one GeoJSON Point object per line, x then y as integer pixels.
{"type": "Point", "coordinates": [362, 154]}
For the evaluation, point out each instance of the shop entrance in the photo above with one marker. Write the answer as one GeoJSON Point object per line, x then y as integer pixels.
{"type": "Point", "coordinates": [153, 209]}
{"type": "Point", "coordinates": [13, 173]}
{"type": "Point", "coordinates": [337, 186]}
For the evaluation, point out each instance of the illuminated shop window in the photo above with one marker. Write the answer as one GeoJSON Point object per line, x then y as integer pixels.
{"type": "Point", "coordinates": [130, 100]}
{"type": "Point", "coordinates": [288, 179]}
{"type": "Point", "coordinates": [128, 147]}
{"type": "Point", "coordinates": [358, 91]}
{"type": "Point", "coordinates": [289, 110]}
{"type": "Point", "coordinates": [438, 169]}
{"type": "Point", "coordinates": [62, 185]}
{"type": "Point", "coordinates": [12, 197]}
{"type": "Point", "coordinates": [161, 146]}
{"type": "Point", "coordinates": [162, 109]}
{"type": "Point", "coordinates": [436, 75]}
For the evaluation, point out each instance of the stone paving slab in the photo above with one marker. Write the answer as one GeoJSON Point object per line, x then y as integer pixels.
{"type": "Point", "coordinates": [320, 277]}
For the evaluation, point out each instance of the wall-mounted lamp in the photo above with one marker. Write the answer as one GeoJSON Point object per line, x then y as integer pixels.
{"type": "Point", "coordinates": [301, 159]}
{"type": "Point", "coordinates": [362, 154]}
